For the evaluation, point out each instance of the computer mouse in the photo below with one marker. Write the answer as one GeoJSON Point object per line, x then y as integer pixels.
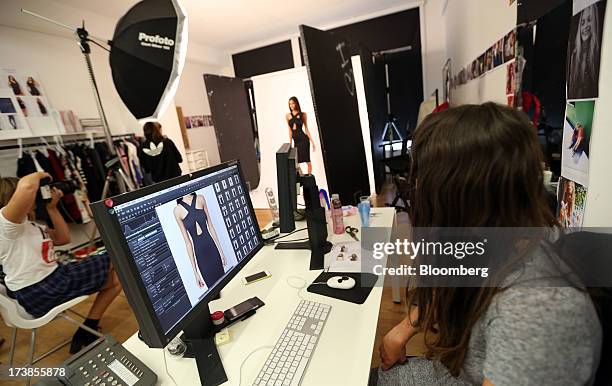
{"type": "Point", "coordinates": [341, 282]}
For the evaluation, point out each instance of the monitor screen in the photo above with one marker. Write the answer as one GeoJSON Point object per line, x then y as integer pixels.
{"type": "Point", "coordinates": [186, 238]}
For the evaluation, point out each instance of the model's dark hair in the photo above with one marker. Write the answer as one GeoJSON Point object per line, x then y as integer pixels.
{"type": "Point", "coordinates": [152, 132]}
{"type": "Point", "coordinates": [297, 103]}
{"type": "Point", "coordinates": [473, 166]}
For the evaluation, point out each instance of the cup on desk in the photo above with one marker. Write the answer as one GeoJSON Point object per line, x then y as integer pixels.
{"type": "Point", "coordinates": [364, 210]}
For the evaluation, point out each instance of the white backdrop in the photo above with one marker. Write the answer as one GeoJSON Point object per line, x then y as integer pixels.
{"type": "Point", "coordinates": [272, 93]}
{"type": "Point", "coordinates": [363, 118]}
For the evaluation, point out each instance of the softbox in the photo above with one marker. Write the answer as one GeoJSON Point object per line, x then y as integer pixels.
{"type": "Point", "coordinates": [148, 54]}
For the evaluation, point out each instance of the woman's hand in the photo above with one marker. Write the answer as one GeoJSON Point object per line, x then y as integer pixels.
{"type": "Point", "coordinates": [393, 347]}
{"type": "Point", "coordinates": [199, 280]}
{"type": "Point", "coordinates": [314, 148]}
{"type": "Point", "coordinates": [56, 195]}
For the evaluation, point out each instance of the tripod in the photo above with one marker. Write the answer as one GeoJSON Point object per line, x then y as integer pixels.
{"type": "Point", "coordinates": [390, 131]}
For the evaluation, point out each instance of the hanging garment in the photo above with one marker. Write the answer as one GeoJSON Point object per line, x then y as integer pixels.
{"type": "Point", "coordinates": [132, 153]}
{"type": "Point", "coordinates": [207, 254]}
{"type": "Point", "coordinates": [80, 194]}
{"type": "Point", "coordinates": [160, 159]}
{"type": "Point", "coordinates": [71, 212]}
{"type": "Point", "coordinates": [94, 169]}
{"type": "Point", "coordinates": [300, 138]}
{"type": "Point", "coordinates": [123, 157]}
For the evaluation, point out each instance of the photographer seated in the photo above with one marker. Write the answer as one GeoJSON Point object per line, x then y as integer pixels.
{"type": "Point", "coordinates": [33, 276]}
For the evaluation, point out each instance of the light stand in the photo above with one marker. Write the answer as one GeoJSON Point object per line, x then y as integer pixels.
{"type": "Point", "coordinates": [390, 130]}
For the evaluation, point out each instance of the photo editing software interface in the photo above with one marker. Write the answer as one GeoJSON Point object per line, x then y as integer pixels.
{"type": "Point", "coordinates": [186, 238]}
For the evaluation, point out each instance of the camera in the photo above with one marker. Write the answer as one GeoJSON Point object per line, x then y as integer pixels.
{"type": "Point", "coordinates": [66, 186]}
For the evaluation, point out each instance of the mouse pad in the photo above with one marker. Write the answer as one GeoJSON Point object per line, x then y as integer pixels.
{"type": "Point", "coordinates": [364, 282]}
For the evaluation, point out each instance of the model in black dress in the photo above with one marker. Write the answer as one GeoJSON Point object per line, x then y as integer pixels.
{"type": "Point", "coordinates": [298, 132]}
{"type": "Point", "coordinates": [200, 239]}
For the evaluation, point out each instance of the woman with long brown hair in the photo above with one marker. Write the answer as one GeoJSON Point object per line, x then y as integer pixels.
{"type": "Point", "coordinates": [479, 166]}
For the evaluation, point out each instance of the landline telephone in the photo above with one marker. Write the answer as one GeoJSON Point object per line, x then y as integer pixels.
{"type": "Point", "coordinates": [105, 363]}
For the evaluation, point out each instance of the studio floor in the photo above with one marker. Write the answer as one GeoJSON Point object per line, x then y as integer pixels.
{"type": "Point", "coordinates": [120, 323]}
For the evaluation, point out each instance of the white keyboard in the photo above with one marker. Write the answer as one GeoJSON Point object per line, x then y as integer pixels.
{"type": "Point", "coordinates": [287, 362]}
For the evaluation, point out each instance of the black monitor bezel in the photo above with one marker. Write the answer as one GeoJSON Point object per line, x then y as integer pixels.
{"type": "Point", "coordinates": [120, 254]}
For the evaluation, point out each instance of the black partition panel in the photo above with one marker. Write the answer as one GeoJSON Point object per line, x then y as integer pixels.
{"type": "Point", "coordinates": [327, 57]}
{"type": "Point", "coordinates": [263, 60]}
{"type": "Point", "coordinates": [233, 127]}
{"type": "Point", "coordinates": [374, 84]}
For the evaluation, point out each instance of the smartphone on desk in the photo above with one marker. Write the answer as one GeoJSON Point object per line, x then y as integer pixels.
{"type": "Point", "coordinates": [241, 309]}
{"type": "Point", "coordinates": [256, 277]}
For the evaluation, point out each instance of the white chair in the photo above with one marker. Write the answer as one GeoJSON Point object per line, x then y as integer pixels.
{"type": "Point", "coordinates": [15, 316]}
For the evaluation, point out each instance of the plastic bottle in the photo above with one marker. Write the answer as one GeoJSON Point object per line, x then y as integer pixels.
{"type": "Point", "coordinates": [325, 204]}
{"type": "Point", "coordinates": [337, 220]}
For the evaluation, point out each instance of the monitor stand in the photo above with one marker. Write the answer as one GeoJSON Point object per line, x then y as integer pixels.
{"type": "Point", "coordinates": [199, 336]}
{"type": "Point", "coordinates": [317, 238]}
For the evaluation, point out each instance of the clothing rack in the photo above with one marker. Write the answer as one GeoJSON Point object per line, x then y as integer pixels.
{"type": "Point", "coordinates": [88, 137]}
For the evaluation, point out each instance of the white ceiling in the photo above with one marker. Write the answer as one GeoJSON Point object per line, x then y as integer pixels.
{"type": "Point", "coordinates": [231, 25]}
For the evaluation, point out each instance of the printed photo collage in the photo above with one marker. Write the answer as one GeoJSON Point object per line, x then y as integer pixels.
{"type": "Point", "coordinates": [583, 62]}
{"type": "Point", "coordinates": [235, 210]}
{"type": "Point", "coordinates": [502, 51]}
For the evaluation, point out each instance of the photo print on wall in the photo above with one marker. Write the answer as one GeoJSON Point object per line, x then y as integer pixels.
{"type": "Point", "coordinates": [32, 100]}
{"type": "Point", "coordinates": [584, 48]}
{"type": "Point", "coordinates": [576, 140]}
{"type": "Point", "coordinates": [510, 46]}
{"type": "Point", "coordinates": [12, 122]}
{"type": "Point", "coordinates": [571, 199]}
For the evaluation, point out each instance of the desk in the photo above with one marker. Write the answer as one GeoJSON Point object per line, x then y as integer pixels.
{"type": "Point", "coordinates": [343, 353]}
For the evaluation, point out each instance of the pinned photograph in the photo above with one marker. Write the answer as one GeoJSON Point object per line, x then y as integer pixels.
{"type": "Point", "coordinates": [584, 49]}
{"type": "Point", "coordinates": [14, 84]}
{"type": "Point", "coordinates": [498, 53]}
{"type": "Point", "coordinates": [481, 65]}
{"type": "Point", "coordinates": [510, 79]}
{"type": "Point", "coordinates": [488, 61]}
{"type": "Point", "coordinates": [509, 46]}
{"type": "Point", "coordinates": [576, 137]}
{"type": "Point", "coordinates": [571, 198]}
{"type": "Point", "coordinates": [33, 86]}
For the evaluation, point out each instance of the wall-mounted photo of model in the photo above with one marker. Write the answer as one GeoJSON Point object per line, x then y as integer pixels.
{"type": "Point", "coordinates": [584, 52]}
{"type": "Point", "coordinates": [201, 239]}
{"type": "Point", "coordinates": [299, 135]}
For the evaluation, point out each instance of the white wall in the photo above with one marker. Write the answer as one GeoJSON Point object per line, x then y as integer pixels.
{"type": "Point", "coordinates": [272, 92]}
{"type": "Point", "coordinates": [433, 45]}
{"type": "Point", "coordinates": [472, 26]}
{"type": "Point", "coordinates": [62, 71]}
{"type": "Point", "coordinates": [598, 211]}
{"type": "Point", "coordinates": [191, 97]}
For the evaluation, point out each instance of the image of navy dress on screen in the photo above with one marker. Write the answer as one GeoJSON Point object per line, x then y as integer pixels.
{"type": "Point", "coordinates": [206, 252]}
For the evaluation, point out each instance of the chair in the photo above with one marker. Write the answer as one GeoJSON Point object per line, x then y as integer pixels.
{"type": "Point", "coordinates": [15, 316]}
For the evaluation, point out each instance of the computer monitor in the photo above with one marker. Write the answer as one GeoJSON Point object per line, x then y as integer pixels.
{"type": "Point", "coordinates": [286, 178]}
{"type": "Point", "coordinates": [149, 234]}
